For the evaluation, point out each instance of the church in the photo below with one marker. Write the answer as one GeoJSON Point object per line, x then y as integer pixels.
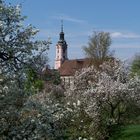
{"type": "Point", "coordinates": [66, 67]}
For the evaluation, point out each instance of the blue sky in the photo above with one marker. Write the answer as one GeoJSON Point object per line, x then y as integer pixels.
{"type": "Point", "coordinates": [81, 18]}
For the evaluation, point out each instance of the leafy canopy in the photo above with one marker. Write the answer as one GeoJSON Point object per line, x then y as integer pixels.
{"type": "Point", "coordinates": [98, 47]}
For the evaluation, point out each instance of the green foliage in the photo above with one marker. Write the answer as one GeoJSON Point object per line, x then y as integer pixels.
{"type": "Point", "coordinates": [130, 132]}
{"type": "Point", "coordinates": [135, 68]}
{"type": "Point", "coordinates": [39, 84]}
{"type": "Point", "coordinates": [77, 124]}
{"type": "Point", "coordinates": [33, 82]}
{"type": "Point", "coordinates": [11, 102]}
{"type": "Point", "coordinates": [52, 76]}
{"type": "Point", "coordinates": [56, 78]}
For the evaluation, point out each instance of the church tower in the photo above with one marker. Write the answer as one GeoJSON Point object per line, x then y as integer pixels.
{"type": "Point", "coordinates": [61, 49]}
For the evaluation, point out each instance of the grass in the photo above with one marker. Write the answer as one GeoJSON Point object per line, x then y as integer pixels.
{"type": "Point", "coordinates": [130, 132]}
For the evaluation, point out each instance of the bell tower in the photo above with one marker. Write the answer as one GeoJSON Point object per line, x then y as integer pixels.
{"type": "Point", "coordinates": [61, 49]}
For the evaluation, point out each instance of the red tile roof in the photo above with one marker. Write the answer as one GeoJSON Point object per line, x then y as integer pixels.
{"type": "Point", "coordinates": [69, 67]}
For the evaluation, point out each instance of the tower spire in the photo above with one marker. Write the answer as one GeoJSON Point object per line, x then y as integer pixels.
{"type": "Point", "coordinates": [61, 33]}
{"type": "Point", "coordinates": [62, 25]}
{"type": "Point", "coordinates": [61, 49]}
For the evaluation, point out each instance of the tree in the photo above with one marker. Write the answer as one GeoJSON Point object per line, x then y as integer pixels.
{"type": "Point", "coordinates": [17, 45]}
{"type": "Point", "coordinates": [98, 47]}
{"type": "Point", "coordinates": [135, 68]}
{"type": "Point", "coordinates": [19, 52]}
{"type": "Point", "coordinates": [108, 95]}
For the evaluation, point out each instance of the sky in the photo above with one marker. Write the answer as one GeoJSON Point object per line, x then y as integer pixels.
{"type": "Point", "coordinates": [81, 18]}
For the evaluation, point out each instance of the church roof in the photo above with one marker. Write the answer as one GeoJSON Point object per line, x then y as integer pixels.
{"type": "Point", "coordinates": [69, 67]}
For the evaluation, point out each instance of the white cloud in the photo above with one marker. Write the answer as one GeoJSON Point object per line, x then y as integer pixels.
{"type": "Point", "coordinates": [78, 34]}
{"type": "Point", "coordinates": [126, 46]}
{"type": "Point", "coordinates": [125, 35]}
{"type": "Point", "coordinates": [68, 18]}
